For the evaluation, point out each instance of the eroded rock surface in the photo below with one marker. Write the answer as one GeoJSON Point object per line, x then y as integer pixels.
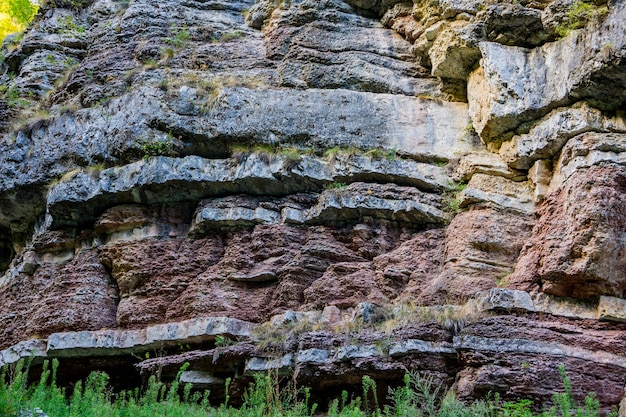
{"type": "Point", "coordinates": [326, 190]}
{"type": "Point", "coordinates": [578, 250]}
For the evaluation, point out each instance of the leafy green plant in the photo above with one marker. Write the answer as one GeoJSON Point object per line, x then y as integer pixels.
{"type": "Point", "coordinates": [336, 186]}
{"type": "Point", "coordinates": [179, 36]}
{"type": "Point", "coordinates": [291, 157]}
{"type": "Point", "coordinates": [580, 12]}
{"type": "Point", "coordinates": [451, 202]}
{"type": "Point", "coordinates": [10, 94]}
{"type": "Point", "coordinates": [70, 27]}
{"type": "Point", "coordinates": [169, 147]}
{"type": "Point", "coordinates": [391, 155]}
{"type": "Point", "coordinates": [15, 15]}
{"type": "Point", "coordinates": [223, 341]}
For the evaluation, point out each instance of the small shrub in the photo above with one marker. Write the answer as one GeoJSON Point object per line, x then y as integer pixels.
{"type": "Point", "coordinates": [179, 37]}
{"type": "Point", "coordinates": [336, 186]}
{"type": "Point", "coordinates": [169, 147]}
{"type": "Point", "coordinates": [223, 341]}
{"type": "Point", "coordinates": [451, 202]}
{"type": "Point", "coordinates": [581, 12]}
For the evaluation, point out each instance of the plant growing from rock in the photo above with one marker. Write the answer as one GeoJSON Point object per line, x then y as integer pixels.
{"type": "Point", "coordinates": [291, 157]}
{"type": "Point", "coordinates": [168, 147]}
{"type": "Point", "coordinates": [389, 155]}
{"type": "Point", "coordinates": [331, 154]}
{"type": "Point", "coordinates": [451, 202]}
{"type": "Point", "coordinates": [223, 341]}
{"type": "Point", "coordinates": [580, 12]}
{"type": "Point", "coordinates": [336, 186]}
{"type": "Point", "coordinates": [502, 280]}
{"type": "Point", "coordinates": [10, 94]}
{"type": "Point", "coordinates": [179, 37]}
{"type": "Point", "coordinates": [232, 35]}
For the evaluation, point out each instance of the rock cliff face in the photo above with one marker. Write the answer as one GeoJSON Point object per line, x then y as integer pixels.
{"type": "Point", "coordinates": [330, 189]}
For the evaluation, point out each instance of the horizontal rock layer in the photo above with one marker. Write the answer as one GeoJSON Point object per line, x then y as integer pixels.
{"type": "Point", "coordinates": [327, 190]}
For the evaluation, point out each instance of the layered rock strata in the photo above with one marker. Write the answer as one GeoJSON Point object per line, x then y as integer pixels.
{"type": "Point", "coordinates": [324, 189]}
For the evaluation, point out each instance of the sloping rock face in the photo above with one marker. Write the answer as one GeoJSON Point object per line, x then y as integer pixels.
{"type": "Point", "coordinates": [327, 190]}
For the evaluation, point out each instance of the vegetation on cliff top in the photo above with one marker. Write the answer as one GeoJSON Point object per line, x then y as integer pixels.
{"type": "Point", "coordinates": [417, 396]}
{"type": "Point", "coordinates": [15, 15]}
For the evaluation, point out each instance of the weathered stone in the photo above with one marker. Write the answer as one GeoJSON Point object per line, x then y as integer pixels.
{"type": "Point", "coordinates": [350, 352]}
{"type": "Point", "coordinates": [514, 85]}
{"type": "Point", "coordinates": [345, 285]}
{"type": "Point", "coordinates": [30, 263]}
{"type": "Point", "coordinates": [540, 175]}
{"type": "Point", "coordinates": [313, 356]}
{"type": "Point", "coordinates": [119, 342]}
{"type": "Point", "coordinates": [485, 163]}
{"type": "Point", "coordinates": [103, 342]}
{"type": "Point", "coordinates": [504, 299]}
{"type": "Point", "coordinates": [564, 306]}
{"type": "Point", "coordinates": [498, 191]}
{"type": "Point", "coordinates": [186, 109]}
{"type": "Point", "coordinates": [35, 349]}
{"type": "Point", "coordinates": [283, 364]}
{"type": "Point", "coordinates": [259, 13]}
{"type": "Point", "coordinates": [365, 120]}
{"type": "Point", "coordinates": [330, 314]}
{"type": "Point", "coordinates": [83, 198]}
{"type": "Point", "coordinates": [346, 51]}
{"type": "Point", "coordinates": [400, 19]}
{"type": "Point", "coordinates": [510, 355]}
{"type": "Point", "coordinates": [452, 8]}
{"type": "Point", "coordinates": [611, 308]}
{"type": "Point", "coordinates": [513, 24]}
{"type": "Point", "coordinates": [547, 137]}
{"type": "Point", "coordinates": [31, 304]}
{"type": "Point", "coordinates": [481, 248]}
{"type": "Point", "coordinates": [586, 151]}
{"type": "Point", "coordinates": [413, 346]}
{"type": "Point", "coordinates": [211, 361]}
{"type": "Point", "coordinates": [291, 317]}
{"type": "Point", "coordinates": [454, 52]}
{"type": "Point", "coordinates": [415, 263]}
{"type": "Point", "coordinates": [193, 329]}
{"type": "Point", "coordinates": [200, 379]}
{"type": "Point", "coordinates": [235, 216]}
{"type": "Point", "coordinates": [576, 248]}
{"type": "Point", "coordinates": [372, 200]}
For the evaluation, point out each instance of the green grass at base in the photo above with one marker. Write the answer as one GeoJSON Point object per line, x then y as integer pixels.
{"type": "Point", "coordinates": [417, 396]}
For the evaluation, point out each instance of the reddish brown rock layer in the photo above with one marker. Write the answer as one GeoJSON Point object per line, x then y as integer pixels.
{"type": "Point", "coordinates": [577, 248]}
{"type": "Point", "coordinates": [78, 294]}
{"type": "Point", "coordinates": [523, 355]}
{"type": "Point", "coordinates": [482, 245]}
